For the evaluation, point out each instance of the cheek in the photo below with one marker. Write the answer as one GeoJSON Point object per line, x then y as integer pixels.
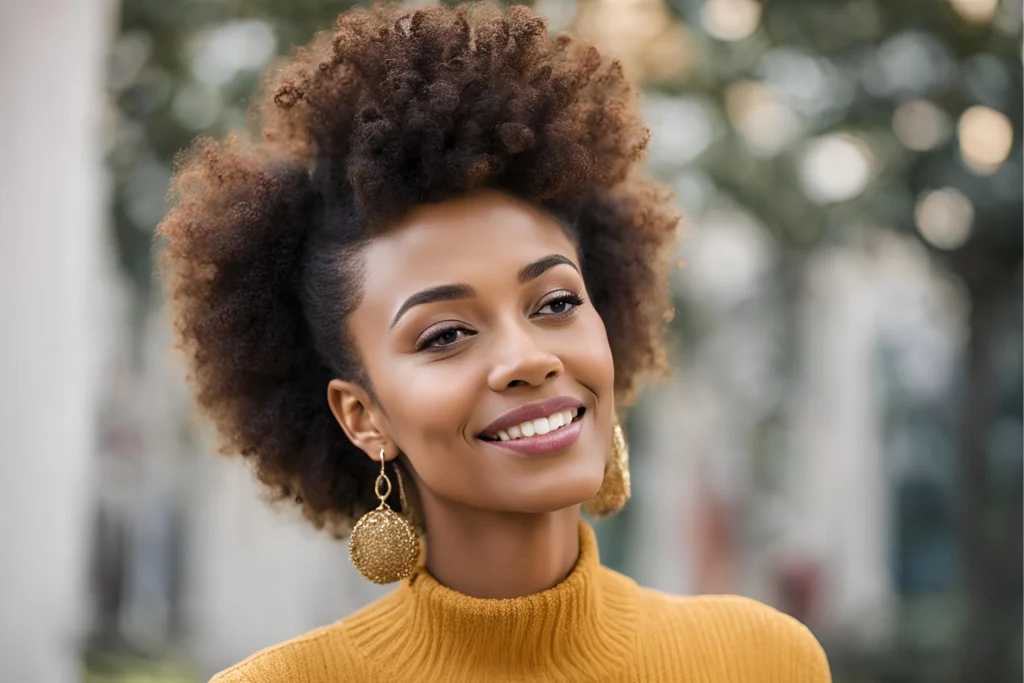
{"type": "Point", "coordinates": [427, 404]}
{"type": "Point", "coordinates": [427, 407]}
{"type": "Point", "coordinates": [590, 358]}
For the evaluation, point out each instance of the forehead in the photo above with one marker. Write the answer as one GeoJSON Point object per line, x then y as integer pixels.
{"type": "Point", "coordinates": [484, 235]}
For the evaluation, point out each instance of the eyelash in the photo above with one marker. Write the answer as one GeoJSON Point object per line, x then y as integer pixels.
{"type": "Point", "coordinates": [575, 300]}
{"type": "Point", "coordinates": [566, 297]}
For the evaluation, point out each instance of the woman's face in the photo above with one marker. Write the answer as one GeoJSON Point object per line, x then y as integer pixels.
{"type": "Point", "coordinates": [475, 330]}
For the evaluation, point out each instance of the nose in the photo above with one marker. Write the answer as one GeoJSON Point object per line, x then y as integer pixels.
{"type": "Point", "coordinates": [521, 361]}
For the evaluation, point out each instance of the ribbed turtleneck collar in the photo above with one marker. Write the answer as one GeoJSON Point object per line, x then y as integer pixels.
{"type": "Point", "coordinates": [424, 630]}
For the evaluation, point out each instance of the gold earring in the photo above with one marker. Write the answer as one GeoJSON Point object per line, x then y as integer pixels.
{"type": "Point", "coordinates": [383, 545]}
{"type": "Point", "coordinates": [614, 491]}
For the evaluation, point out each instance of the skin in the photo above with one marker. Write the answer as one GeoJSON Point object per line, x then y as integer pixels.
{"type": "Point", "coordinates": [500, 524]}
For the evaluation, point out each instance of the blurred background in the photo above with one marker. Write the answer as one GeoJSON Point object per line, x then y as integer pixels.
{"type": "Point", "coordinates": [842, 438]}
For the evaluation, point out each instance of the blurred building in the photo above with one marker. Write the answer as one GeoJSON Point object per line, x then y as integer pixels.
{"type": "Point", "coordinates": [53, 288]}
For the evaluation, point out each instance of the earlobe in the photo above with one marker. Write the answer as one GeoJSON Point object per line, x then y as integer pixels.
{"type": "Point", "coordinates": [354, 410]}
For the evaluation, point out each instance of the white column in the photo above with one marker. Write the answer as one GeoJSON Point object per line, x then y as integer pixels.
{"type": "Point", "coordinates": [838, 489]}
{"type": "Point", "coordinates": [51, 202]}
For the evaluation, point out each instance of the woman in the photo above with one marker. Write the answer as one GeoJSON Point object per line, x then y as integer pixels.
{"type": "Point", "coordinates": [438, 269]}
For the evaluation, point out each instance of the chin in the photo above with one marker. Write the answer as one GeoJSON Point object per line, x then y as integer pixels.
{"type": "Point", "coordinates": [562, 495]}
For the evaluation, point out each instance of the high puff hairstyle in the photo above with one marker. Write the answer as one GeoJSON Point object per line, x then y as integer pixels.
{"type": "Point", "coordinates": [392, 109]}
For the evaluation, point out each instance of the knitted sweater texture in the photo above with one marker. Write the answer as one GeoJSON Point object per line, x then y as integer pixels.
{"type": "Point", "coordinates": [595, 626]}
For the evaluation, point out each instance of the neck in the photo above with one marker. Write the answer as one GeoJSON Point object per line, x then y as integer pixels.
{"type": "Point", "coordinates": [487, 554]}
{"type": "Point", "coordinates": [582, 629]}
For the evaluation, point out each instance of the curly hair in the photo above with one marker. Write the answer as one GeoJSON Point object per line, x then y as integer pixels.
{"type": "Point", "coordinates": [392, 109]}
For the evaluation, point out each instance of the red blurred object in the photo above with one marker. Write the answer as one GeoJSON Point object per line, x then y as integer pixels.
{"type": "Point", "coordinates": [800, 582]}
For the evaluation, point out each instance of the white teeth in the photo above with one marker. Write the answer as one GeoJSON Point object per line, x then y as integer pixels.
{"type": "Point", "coordinates": [541, 426]}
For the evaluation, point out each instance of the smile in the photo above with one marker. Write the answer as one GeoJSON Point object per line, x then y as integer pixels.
{"type": "Point", "coordinates": [538, 429]}
{"type": "Point", "coordinates": [540, 426]}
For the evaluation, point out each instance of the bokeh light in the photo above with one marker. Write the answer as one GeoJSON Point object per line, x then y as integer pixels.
{"type": "Point", "coordinates": [835, 168]}
{"type": "Point", "coordinates": [681, 130]}
{"type": "Point", "coordinates": [727, 256]}
{"type": "Point", "coordinates": [731, 19]}
{"type": "Point", "coordinates": [976, 11]}
{"type": "Point", "coordinates": [944, 217]}
{"type": "Point", "coordinates": [766, 122]}
{"type": "Point", "coordinates": [811, 84]}
{"type": "Point", "coordinates": [910, 63]}
{"type": "Point", "coordinates": [218, 54]}
{"type": "Point", "coordinates": [651, 45]}
{"type": "Point", "coordinates": [986, 137]}
{"type": "Point", "coordinates": [920, 125]}
{"type": "Point", "coordinates": [197, 105]}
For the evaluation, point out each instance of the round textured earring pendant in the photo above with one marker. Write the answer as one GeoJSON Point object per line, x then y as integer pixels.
{"type": "Point", "coordinates": [383, 545]}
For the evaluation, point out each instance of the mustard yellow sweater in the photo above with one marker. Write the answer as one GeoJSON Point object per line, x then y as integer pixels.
{"type": "Point", "coordinates": [595, 626]}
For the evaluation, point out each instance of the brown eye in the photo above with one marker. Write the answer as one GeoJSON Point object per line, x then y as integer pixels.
{"type": "Point", "coordinates": [443, 338]}
{"type": "Point", "coordinates": [562, 304]}
{"type": "Point", "coordinates": [559, 306]}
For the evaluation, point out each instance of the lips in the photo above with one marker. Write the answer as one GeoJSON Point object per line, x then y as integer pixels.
{"type": "Point", "coordinates": [543, 445]}
{"type": "Point", "coordinates": [531, 411]}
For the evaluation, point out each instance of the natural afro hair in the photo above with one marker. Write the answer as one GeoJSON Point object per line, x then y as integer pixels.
{"type": "Point", "coordinates": [393, 109]}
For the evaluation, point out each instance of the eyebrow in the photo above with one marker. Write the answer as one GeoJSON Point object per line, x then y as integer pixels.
{"type": "Point", "coordinates": [435, 294]}
{"type": "Point", "coordinates": [532, 271]}
{"type": "Point", "coordinates": [527, 273]}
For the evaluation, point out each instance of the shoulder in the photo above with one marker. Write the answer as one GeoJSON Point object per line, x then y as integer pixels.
{"type": "Point", "coordinates": [320, 656]}
{"type": "Point", "coordinates": [742, 633]}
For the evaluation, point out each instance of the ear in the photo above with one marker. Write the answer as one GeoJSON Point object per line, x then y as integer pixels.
{"type": "Point", "coordinates": [360, 418]}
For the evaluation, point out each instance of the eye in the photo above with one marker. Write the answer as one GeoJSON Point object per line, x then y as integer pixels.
{"type": "Point", "coordinates": [562, 303]}
{"type": "Point", "coordinates": [443, 337]}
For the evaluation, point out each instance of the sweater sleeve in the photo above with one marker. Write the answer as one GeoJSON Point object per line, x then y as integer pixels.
{"type": "Point", "coordinates": [786, 646]}
{"type": "Point", "coordinates": [737, 638]}
{"type": "Point", "coordinates": [321, 656]}
{"type": "Point", "coordinates": [806, 661]}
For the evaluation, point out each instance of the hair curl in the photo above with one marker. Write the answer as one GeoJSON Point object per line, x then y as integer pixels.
{"type": "Point", "coordinates": [392, 109]}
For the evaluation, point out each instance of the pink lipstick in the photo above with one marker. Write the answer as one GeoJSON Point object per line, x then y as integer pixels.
{"type": "Point", "coordinates": [539, 428]}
